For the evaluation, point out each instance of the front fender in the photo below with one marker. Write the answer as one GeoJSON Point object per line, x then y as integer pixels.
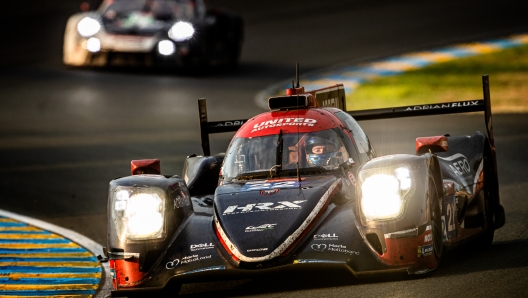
{"type": "Point", "coordinates": [412, 221]}
{"type": "Point", "coordinates": [136, 256]}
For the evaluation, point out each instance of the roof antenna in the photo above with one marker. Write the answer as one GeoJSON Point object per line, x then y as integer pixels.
{"type": "Point", "coordinates": [298, 138]}
{"type": "Point", "coordinates": [298, 153]}
{"type": "Point", "coordinates": [297, 74]}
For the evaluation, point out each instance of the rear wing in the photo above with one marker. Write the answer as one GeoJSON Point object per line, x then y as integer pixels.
{"type": "Point", "coordinates": [334, 96]}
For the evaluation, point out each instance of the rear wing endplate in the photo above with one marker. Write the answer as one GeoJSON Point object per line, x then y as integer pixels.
{"type": "Point", "coordinates": [466, 106]}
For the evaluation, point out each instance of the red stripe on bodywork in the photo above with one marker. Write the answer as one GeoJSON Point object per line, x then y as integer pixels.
{"type": "Point", "coordinates": [231, 254]}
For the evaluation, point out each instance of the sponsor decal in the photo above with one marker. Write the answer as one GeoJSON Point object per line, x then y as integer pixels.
{"type": "Point", "coordinates": [260, 207]}
{"type": "Point", "coordinates": [181, 201]}
{"type": "Point", "coordinates": [428, 238]}
{"type": "Point", "coordinates": [271, 185]}
{"type": "Point", "coordinates": [260, 228]}
{"type": "Point", "coordinates": [326, 237]}
{"type": "Point", "coordinates": [443, 106]}
{"type": "Point", "coordinates": [172, 264]}
{"type": "Point", "coordinates": [459, 165]}
{"type": "Point", "coordinates": [269, 192]}
{"type": "Point", "coordinates": [185, 260]}
{"type": "Point", "coordinates": [230, 123]}
{"type": "Point", "coordinates": [257, 249]}
{"type": "Point", "coordinates": [201, 246]}
{"type": "Point", "coordinates": [342, 248]}
{"type": "Point", "coordinates": [319, 247]}
{"type": "Point", "coordinates": [284, 122]}
{"type": "Point", "coordinates": [331, 102]}
{"type": "Point", "coordinates": [425, 250]}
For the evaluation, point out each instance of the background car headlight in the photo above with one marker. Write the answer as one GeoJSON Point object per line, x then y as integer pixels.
{"type": "Point", "coordinates": [181, 31]}
{"type": "Point", "coordinates": [139, 213]}
{"type": "Point", "coordinates": [166, 47]}
{"type": "Point", "coordinates": [382, 195]}
{"type": "Point", "coordinates": [93, 44]}
{"type": "Point", "coordinates": [88, 27]}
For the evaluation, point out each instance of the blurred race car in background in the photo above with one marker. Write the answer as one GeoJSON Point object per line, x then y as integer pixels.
{"type": "Point", "coordinates": [161, 33]}
{"type": "Point", "coordinates": [301, 187]}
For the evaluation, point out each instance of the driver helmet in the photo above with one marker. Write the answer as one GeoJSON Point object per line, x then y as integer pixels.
{"type": "Point", "coordinates": [319, 151]}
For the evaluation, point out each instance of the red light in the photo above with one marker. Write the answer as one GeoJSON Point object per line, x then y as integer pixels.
{"type": "Point", "coordinates": [295, 91]}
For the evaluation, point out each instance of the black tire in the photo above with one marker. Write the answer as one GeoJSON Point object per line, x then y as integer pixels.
{"type": "Point", "coordinates": [436, 223]}
{"type": "Point", "coordinates": [487, 197]}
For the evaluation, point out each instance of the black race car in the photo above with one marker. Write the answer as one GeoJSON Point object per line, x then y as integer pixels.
{"type": "Point", "coordinates": [163, 33]}
{"type": "Point", "coordinates": [301, 187]}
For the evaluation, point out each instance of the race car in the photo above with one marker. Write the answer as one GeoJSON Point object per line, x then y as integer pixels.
{"type": "Point", "coordinates": [160, 33]}
{"type": "Point", "coordinates": [301, 187]}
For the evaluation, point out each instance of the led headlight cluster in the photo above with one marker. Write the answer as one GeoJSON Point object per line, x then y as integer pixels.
{"type": "Point", "coordinates": [383, 193]}
{"type": "Point", "coordinates": [88, 27]}
{"type": "Point", "coordinates": [139, 212]}
{"type": "Point", "coordinates": [181, 31]}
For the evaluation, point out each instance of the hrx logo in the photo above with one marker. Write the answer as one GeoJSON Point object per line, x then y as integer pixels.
{"type": "Point", "coordinates": [284, 205]}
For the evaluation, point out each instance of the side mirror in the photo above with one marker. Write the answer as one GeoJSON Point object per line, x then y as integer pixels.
{"type": "Point", "coordinates": [145, 166]}
{"type": "Point", "coordinates": [431, 144]}
{"type": "Point", "coordinates": [85, 6]}
{"type": "Point", "coordinates": [348, 164]}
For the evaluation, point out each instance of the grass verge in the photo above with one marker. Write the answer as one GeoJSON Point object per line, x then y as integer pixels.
{"type": "Point", "coordinates": [452, 81]}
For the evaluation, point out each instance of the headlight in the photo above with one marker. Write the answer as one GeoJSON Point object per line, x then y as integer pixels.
{"type": "Point", "coordinates": [383, 194]}
{"type": "Point", "coordinates": [166, 47]}
{"type": "Point", "coordinates": [93, 45]}
{"type": "Point", "coordinates": [139, 212]}
{"type": "Point", "coordinates": [88, 27]}
{"type": "Point", "coordinates": [181, 31]}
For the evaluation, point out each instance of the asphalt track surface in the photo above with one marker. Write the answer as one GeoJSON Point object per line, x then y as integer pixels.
{"type": "Point", "coordinates": [64, 133]}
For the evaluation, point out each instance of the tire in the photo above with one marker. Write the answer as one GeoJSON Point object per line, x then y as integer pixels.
{"type": "Point", "coordinates": [487, 197]}
{"type": "Point", "coordinates": [435, 216]}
